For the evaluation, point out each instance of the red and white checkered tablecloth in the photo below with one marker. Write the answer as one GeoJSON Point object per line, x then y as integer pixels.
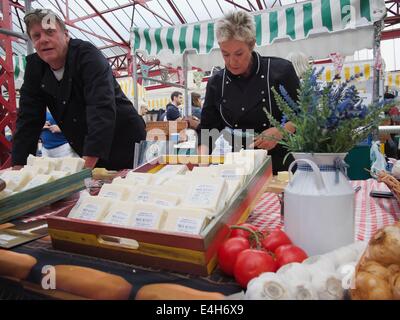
{"type": "Point", "coordinates": [371, 213]}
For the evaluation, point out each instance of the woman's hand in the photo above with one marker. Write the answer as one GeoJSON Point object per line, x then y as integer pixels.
{"type": "Point", "coordinates": [268, 139]}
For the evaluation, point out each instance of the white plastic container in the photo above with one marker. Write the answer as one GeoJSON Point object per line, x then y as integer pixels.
{"type": "Point", "coordinates": [319, 204]}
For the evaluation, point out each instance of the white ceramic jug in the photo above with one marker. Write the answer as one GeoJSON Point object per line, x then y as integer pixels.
{"type": "Point", "coordinates": [319, 203]}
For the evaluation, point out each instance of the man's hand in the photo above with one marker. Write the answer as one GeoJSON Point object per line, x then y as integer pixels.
{"type": "Point", "coordinates": [90, 162]}
{"type": "Point", "coordinates": [55, 128]}
{"type": "Point", "coordinates": [268, 139]}
{"type": "Point", "coordinates": [18, 167]}
{"type": "Point", "coordinates": [192, 122]}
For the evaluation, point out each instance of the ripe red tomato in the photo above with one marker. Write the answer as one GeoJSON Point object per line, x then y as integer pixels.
{"type": "Point", "coordinates": [250, 263]}
{"type": "Point", "coordinates": [289, 253]}
{"type": "Point", "coordinates": [228, 252]}
{"type": "Point", "coordinates": [275, 239]}
{"type": "Point", "coordinates": [242, 233]}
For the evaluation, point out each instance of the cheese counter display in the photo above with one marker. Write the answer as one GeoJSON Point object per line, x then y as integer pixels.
{"type": "Point", "coordinates": [38, 171]}
{"type": "Point", "coordinates": [40, 182]}
{"type": "Point", "coordinates": [169, 213]}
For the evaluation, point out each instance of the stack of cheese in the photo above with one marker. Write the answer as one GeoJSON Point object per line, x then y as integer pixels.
{"type": "Point", "coordinates": [174, 199]}
{"type": "Point", "coordinates": [38, 171]}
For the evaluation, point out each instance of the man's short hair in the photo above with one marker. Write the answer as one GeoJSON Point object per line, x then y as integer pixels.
{"type": "Point", "coordinates": [37, 15]}
{"type": "Point", "coordinates": [175, 94]}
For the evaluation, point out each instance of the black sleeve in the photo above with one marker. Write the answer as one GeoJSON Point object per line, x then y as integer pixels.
{"type": "Point", "coordinates": [290, 82]}
{"type": "Point", "coordinates": [31, 115]}
{"type": "Point", "coordinates": [210, 115]}
{"type": "Point", "coordinates": [99, 96]}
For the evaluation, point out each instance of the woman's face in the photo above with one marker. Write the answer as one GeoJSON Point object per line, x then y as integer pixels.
{"type": "Point", "coordinates": [237, 56]}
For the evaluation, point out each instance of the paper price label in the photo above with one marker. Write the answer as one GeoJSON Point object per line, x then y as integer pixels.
{"type": "Point", "coordinates": [143, 196]}
{"type": "Point", "coordinates": [120, 218]}
{"type": "Point", "coordinates": [202, 194]}
{"type": "Point", "coordinates": [188, 225]}
{"type": "Point", "coordinates": [89, 212]}
{"type": "Point", "coordinates": [163, 203]}
{"type": "Point", "coordinates": [111, 194]}
{"type": "Point", "coordinates": [146, 220]}
{"type": "Point", "coordinates": [231, 174]}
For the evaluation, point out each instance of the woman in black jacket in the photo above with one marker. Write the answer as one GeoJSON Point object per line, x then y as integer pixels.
{"type": "Point", "coordinates": [74, 80]}
{"type": "Point", "coordinates": [237, 95]}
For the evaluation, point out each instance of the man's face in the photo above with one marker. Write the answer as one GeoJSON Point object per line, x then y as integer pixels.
{"type": "Point", "coordinates": [178, 100]}
{"type": "Point", "coordinates": [51, 44]}
{"type": "Point", "coordinates": [237, 56]}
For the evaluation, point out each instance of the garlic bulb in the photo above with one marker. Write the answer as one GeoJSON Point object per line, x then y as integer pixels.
{"type": "Point", "coordinates": [268, 286]}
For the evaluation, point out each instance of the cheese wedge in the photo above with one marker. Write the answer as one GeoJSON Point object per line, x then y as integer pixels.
{"type": "Point", "coordinates": [206, 193]}
{"type": "Point", "coordinates": [148, 216]}
{"type": "Point", "coordinates": [185, 220]}
{"type": "Point", "coordinates": [91, 208]}
{"type": "Point", "coordinates": [120, 213]}
{"type": "Point", "coordinates": [37, 181]}
{"type": "Point", "coordinates": [114, 191]}
{"type": "Point", "coordinates": [72, 165]}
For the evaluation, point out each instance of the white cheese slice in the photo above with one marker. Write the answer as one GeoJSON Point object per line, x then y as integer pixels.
{"type": "Point", "coordinates": [72, 165]}
{"type": "Point", "coordinates": [92, 208]}
{"type": "Point", "coordinates": [172, 169]}
{"type": "Point", "coordinates": [114, 191]}
{"type": "Point", "coordinates": [206, 193]}
{"type": "Point", "coordinates": [148, 216]}
{"type": "Point", "coordinates": [120, 213]}
{"type": "Point", "coordinates": [142, 192]}
{"type": "Point", "coordinates": [185, 220]}
{"type": "Point", "coordinates": [37, 181]}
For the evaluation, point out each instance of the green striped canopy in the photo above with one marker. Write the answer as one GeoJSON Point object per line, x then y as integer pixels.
{"type": "Point", "coordinates": [296, 22]}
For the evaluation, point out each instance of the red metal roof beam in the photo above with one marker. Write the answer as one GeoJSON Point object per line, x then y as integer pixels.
{"type": "Point", "coordinates": [390, 34]}
{"type": "Point", "coordinates": [259, 5]}
{"type": "Point", "coordinates": [172, 5]}
{"type": "Point", "coordinates": [237, 5]}
{"type": "Point", "coordinates": [106, 22]}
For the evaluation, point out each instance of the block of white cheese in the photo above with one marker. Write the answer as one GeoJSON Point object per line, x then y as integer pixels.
{"type": "Point", "coordinates": [16, 179]}
{"type": "Point", "coordinates": [206, 193]}
{"type": "Point", "coordinates": [34, 169]}
{"type": "Point", "coordinates": [209, 171]}
{"type": "Point", "coordinates": [72, 165]}
{"type": "Point", "coordinates": [283, 176]}
{"type": "Point", "coordinates": [124, 182]}
{"type": "Point", "coordinates": [139, 177]}
{"type": "Point", "coordinates": [142, 192]}
{"type": "Point", "coordinates": [114, 191]}
{"type": "Point", "coordinates": [148, 216]}
{"type": "Point", "coordinates": [37, 180]}
{"type": "Point", "coordinates": [120, 213]}
{"type": "Point", "coordinates": [58, 174]}
{"type": "Point", "coordinates": [185, 220]}
{"type": "Point", "coordinates": [157, 198]}
{"type": "Point", "coordinates": [237, 158]}
{"type": "Point", "coordinates": [91, 208]}
{"type": "Point", "coordinates": [167, 172]}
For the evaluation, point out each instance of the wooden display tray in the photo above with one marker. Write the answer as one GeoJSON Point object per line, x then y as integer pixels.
{"type": "Point", "coordinates": [194, 254]}
{"type": "Point", "coordinates": [23, 202]}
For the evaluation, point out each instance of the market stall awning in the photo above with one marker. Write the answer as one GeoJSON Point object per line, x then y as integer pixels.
{"type": "Point", "coordinates": [313, 27]}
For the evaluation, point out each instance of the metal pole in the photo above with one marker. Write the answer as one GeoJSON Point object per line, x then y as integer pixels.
{"type": "Point", "coordinates": [29, 46]}
{"type": "Point", "coordinates": [188, 108]}
{"type": "Point", "coordinates": [377, 54]}
{"type": "Point", "coordinates": [135, 78]}
{"type": "Point", "coordinates": [14, 34]}
{"type": "Point", "coordinates": [163, 82]}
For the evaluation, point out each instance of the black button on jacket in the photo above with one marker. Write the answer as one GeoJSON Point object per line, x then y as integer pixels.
{"type": "Point", "coordinates": [88, 104]}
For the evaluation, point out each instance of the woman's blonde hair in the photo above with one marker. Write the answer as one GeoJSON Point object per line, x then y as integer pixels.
{"type": "Point", "coordinates": [236, 25]}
